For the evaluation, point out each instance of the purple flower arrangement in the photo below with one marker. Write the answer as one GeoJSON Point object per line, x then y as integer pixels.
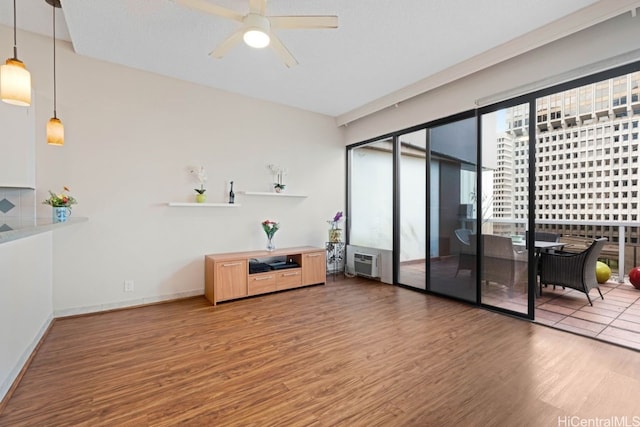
{"type": "Point", "coordinates": [339, 216]}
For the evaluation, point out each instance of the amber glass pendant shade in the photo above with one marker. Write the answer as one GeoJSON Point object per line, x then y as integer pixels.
{"type": "Point", "coordinates": [15, 80]}
{"type": "Point", "coordinates": [55, 129]}
{"type": "Point", "coordinates": [55, 132]}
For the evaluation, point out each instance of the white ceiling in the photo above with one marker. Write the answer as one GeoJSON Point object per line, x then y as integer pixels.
{"type": "Point", "coordinates": [380, 46]}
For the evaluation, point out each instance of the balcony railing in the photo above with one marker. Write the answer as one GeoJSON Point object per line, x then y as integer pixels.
{"type": "Point", "coordinates": [620, 252]}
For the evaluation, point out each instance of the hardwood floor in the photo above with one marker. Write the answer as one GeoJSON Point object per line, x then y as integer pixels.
{"type": "Point", "coordinates": [616, 319]}
{"type": "Point", "coordinates": [353, 352]}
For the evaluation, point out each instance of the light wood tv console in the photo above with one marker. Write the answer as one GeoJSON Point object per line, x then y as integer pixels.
{"type": "Point", "coordinates": [227, 275]}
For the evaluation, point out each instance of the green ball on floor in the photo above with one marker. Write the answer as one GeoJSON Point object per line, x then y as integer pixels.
{"type": "Point", "coordinates": [603, 272]}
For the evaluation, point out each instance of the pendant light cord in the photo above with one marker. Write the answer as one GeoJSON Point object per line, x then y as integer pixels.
{"type": "Point", "coordinates": [54, 60]}
{"type": "Point", "coordinates": [15, 38]}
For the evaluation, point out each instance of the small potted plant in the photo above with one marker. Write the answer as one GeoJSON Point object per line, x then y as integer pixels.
{"type": "Point", "coordinates": [61, 204]}
{"type": "Point", "coordinates": [201, 176]}
{"type": "Point", "coordinates": [335, 232]}
{"type": "Point", "coordinates": [279, 174]}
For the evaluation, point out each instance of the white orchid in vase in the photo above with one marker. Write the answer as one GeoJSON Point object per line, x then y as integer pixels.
{"type": "Point", "coordinates": [201, 175]}
{"type": "Point", "coordinates": [279, 174]}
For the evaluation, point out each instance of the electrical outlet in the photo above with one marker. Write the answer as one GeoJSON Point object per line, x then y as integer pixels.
{"type": "Point", "coordinates": [128, 285]}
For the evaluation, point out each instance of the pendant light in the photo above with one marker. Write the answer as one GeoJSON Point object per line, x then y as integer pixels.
{"type": "Point", "coordinates": [15, 79]}
{"type": "Point", "coordinates": [55, 130]}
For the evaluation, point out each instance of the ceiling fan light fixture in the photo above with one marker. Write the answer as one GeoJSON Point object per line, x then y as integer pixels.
{"type": "Point", "coordinates": [257, 33]}
{"type": "Point", "coordinates": [256, 38]}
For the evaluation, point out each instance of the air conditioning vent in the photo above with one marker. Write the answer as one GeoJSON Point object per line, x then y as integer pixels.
{"type": "Point", "coordinates": [365, 264]}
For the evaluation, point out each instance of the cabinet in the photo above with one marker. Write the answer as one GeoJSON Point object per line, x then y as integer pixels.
{"type": "Point", "coordinates": [262, 283]}
{"type": "Point", "coordinates": [227, 275]}
{"type": "Point", "coordinates": [313, 267]}
{"type": "Point", "coordinates": [232, 277]}
{"type": "Point", "coordinates": [290, 278]}
{"type": "Point", "coordinates": [17, 146]}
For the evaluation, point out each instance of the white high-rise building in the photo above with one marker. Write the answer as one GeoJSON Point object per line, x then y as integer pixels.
{"type": "Point", "coordinates": [587, 158]}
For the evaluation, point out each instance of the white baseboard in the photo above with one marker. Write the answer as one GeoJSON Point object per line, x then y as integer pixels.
{"type": "Point", "coordinates": [124, 304]}
{"type": "Point", "coordinates": [26, 354]}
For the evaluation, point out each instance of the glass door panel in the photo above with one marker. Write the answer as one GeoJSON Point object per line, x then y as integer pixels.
{"type": "Point", "coordinates": [504, 202]}
{"type": "Point", "coordinates": [370, 211]}
{"type": "Point", "coordinates": [452, 209]}
{"type": "Point", "coordinates": [413, 191]}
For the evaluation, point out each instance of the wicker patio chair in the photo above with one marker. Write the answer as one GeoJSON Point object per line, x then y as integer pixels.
{"type": "Point", "coordinates": [545, 236]}
{"type": "Point", "coordinates": [500, 262]}
{"type": "Point", "coordinates": [467, 256]}
{"type": "Point", "coordinates": [572, 270]}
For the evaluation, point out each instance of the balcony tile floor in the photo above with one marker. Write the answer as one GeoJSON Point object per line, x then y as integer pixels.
{"type": "Point", "coordinates": [615, 319]}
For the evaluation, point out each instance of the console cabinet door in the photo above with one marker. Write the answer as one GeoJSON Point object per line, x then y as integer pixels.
{"type": "Point", "coordinates": [262, 283]}
{"type": "Point", "coordinates": [314, 269]}
{"type": "Point", "coordinates": [230, 279]}
{"type": "Point", "coordinates": [290, 278]}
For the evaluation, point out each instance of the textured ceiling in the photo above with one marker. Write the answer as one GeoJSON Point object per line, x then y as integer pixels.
{"type": "Point", "coordinates": [380, 46]}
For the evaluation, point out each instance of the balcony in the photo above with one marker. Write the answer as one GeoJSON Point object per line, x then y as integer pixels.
{"type": "Point", "coordinates": [621, 254]}
{"type": "Point", "coordinates": [616, 318]}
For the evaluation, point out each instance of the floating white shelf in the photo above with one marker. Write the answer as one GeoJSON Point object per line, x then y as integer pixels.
{"type": "Point", "coordinates": [266, 193]}
{"type": "Point", "coordinates": [205, 205]}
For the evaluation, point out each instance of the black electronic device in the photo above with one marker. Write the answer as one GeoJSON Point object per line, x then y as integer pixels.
{"type": "Point", "coordinates": [279, 265]}
{"type": "Point", "coordinates": [258, 267]}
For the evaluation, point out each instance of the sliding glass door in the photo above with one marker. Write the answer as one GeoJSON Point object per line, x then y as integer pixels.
{"type": "Point", "coordinates": [504, 204]}
{"type": "Point", "coordinates": [370, 210]}
{"type": "Point", "coordinates": [412, 211]}
{"type": "Point", "coordinates": [452, 209]}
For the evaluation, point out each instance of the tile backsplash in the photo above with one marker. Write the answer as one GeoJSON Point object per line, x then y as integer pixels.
{"type": "Point", "coordinates": [17, 208]}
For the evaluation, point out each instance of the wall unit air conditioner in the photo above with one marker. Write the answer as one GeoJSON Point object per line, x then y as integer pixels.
{"type": "Point", "coordinates": [365, 264]}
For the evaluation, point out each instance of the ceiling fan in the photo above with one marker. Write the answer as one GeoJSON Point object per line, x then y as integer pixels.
{"type": "Point", "coordinates": [257, 28]}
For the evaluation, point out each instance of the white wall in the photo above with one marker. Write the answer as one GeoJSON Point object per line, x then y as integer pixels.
{"type": "Point", "coordinates": [413, 191]}
{"type": "Point", "coordinates": [611, 38]}
{"type": "Point", "coordinates": [371, 198]}
{"type": "Point", "coordinates": [25, 301]}
{"type": "Point", "coordinates": [130, 136]}
{"type": "Point", "coordinates": [372, 204]}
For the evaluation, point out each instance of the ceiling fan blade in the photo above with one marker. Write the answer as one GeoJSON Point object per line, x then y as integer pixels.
{"type": "Point", "coordinates": [204, 6]}
{"type": "Point", "coordinates": [227, 44]}
{"type": "Point", "coordinates": [282, 51]}
{"type": "Point", "coordinates": [295, 22]}
{"type": "Point", "coordinates": [258, 6]}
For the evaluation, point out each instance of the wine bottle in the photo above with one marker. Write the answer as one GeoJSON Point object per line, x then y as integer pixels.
{"type": "Point", "coordinates": [232, 195]}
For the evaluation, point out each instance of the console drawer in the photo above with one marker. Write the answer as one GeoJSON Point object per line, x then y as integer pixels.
{"type": "Point", "coordinates": [289, 278]}
{"type": "Point", "coordinates": [262, 283]}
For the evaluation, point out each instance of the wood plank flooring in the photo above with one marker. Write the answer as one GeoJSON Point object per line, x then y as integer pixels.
{"type": "Point", "coordinates": [616, 319]}
{"type": "Point", "coordinates": [353, 353]}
